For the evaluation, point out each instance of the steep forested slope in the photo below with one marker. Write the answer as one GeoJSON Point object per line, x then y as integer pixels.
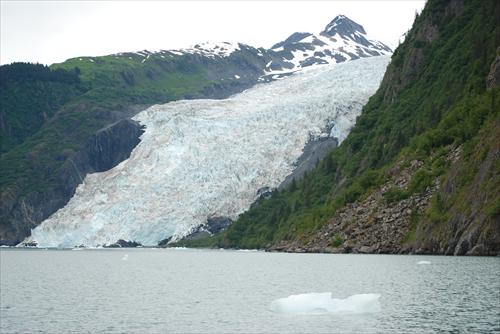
{"type": "Point", "coordinates": [30, 95]}
{"type": "Point", "coordinates": [420, 170]}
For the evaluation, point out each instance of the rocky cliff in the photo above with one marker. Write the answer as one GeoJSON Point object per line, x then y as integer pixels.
{"type": "Point", "coordinates": [104, 150]}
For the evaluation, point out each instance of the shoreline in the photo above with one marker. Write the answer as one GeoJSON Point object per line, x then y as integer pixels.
{"type": "Point", "coordinates": [269, 250]}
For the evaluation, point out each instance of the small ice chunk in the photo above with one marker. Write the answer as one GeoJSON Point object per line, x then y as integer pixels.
{"type": "Point", "coordinates": [237, 76]}
{"type": "Point", "coordinates": [424, 262]}
{"type": "Point", "coordinates": [319, 303]}
{"type": "Point", "coordinates": [125, 257]}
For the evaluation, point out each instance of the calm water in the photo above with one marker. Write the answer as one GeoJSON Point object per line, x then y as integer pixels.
{"type": "Point", "coordinates": [191, 291]}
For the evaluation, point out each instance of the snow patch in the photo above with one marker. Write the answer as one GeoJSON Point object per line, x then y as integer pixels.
{"type": "Point", "coordinates": [212, 50]}
{"type": "Point", "coordinates": [308, 39]}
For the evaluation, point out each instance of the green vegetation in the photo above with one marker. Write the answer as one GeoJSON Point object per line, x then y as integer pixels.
{"type": "Point", "coordinates": [337, 241]}
{"type": "Point", "coordinates": [433, 97]}
{"type": "Point", "coordinates": [29, 96]}
{"type": "Point", "coordinates": [127, 79]}
{"type": "Point", "coordinates": [472, 186]}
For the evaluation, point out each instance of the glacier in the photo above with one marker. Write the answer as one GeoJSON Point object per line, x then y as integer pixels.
{"type": "Point", "coordinates": [204, 158]}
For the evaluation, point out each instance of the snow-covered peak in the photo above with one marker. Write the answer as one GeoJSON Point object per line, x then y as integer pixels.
{"type": "Point", "coordinates": [342, 40]}
{"type": "Point", "coordinates": [342, 25]}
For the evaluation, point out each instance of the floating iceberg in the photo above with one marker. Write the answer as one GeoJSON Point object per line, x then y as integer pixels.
{"type": "Point", "coordinates": [319, 303]}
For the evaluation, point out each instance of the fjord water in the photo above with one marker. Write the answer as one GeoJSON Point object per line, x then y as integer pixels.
{"type": "Point", "coordinates": [211, 291]}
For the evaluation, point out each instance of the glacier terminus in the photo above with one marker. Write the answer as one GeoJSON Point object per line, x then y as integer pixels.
{"type": "Point", "coordinates": [208, 158]}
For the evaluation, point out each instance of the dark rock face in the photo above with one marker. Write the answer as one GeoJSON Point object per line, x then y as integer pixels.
{"type": "Point", "coordinates": [294, 38]}
{"type": "Point", "coordinates": [124, 244]}
{"type": "Point", "coordinates": [217, 224]}
{"type": "Point", "coordinates": [164, 242]}
{"type": "Point", "coordinates": [264, 193]}
{"type": "Point", "coordinates": [108, 147]}
{"type": "Point", "coordinates": [111, 145]}
{"type": "Point", "coordinates": [493, 78]}
{"type": "Point", "coordinates": [199, 233]}
{"type": "Point", "coordinates": [315, 150]}
{"type": "Point", "coordinates": [342, 25]}
{"type": "Point", "coordinates": [212, 226]}
{"type": "Point", "coordinates": [21, 214]}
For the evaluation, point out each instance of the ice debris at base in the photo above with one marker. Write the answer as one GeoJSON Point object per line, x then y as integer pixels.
{"type": "Point", "coordinates": [424, 262]}
{"type": "Point", "coordinates": [320, 303]}
{"type": "Point", "coordinates": [203, 158]}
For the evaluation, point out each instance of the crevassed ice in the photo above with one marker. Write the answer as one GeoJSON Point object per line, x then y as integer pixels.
{"type": "Point", "coordinates": [202, 158]}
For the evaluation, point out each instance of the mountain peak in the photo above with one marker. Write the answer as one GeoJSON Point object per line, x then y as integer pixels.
{"type": "Point", "coordinates": [343, 25]}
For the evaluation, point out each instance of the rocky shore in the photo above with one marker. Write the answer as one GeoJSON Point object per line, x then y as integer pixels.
{"type": "Point", "coordinates": [375, 225]}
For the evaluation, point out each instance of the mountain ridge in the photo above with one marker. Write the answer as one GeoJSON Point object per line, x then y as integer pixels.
{"type": "Point", "coordinates": [348, 42]}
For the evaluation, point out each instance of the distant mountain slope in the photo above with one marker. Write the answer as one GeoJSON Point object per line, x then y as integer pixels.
{"type": "Point", "coordinates": [420, 170]}
{"type": "Point", "coordinates": [55, 133]}
{"type": "Point", "coordinates": [341, 40]}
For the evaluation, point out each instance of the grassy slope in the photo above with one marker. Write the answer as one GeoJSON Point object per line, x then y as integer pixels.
{"type": "Point", "coordinates": [433, 96]}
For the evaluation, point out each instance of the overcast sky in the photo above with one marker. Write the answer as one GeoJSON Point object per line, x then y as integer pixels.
{"type": "Point", "coordinates": [52, 31]}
